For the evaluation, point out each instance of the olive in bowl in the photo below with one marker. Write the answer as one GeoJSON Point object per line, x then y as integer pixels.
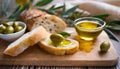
{"type": "Point", "coordinates": [11, 31]}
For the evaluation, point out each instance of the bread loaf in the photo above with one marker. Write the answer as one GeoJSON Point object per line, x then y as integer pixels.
{"type": "Point", "coordinates": [59, 50]}
{"type": "Point", "coordinates": [28, 39]}
{"type": "Point", "coordinates": [34, 18]}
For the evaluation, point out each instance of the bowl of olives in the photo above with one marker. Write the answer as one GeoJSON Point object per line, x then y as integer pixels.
{"type": "Point", "coordinates": [10, 31]}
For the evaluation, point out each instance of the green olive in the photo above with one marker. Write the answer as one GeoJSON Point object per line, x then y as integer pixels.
{"type": "Point", "coordinates": [9, 30]}
{"type": "Point", "coordinates": [15, 24]}
{"type": "Point", "coordinates": [2, 28]}
{"type": "Point", "coordinates": [18, 28]}
{"type": "Point", "coordinates": [56, 39]}
{"type": "Point", "coordinates": [104, 46]}
{"type": "Point", "coordinates": [6, 24]}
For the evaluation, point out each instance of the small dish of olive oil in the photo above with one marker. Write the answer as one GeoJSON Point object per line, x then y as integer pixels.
{"type": "Point", "coordinates": [89, 28]}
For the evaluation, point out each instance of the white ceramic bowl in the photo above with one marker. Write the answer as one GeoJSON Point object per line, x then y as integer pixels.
{"type": "Point", "coordinates": [12, 37]}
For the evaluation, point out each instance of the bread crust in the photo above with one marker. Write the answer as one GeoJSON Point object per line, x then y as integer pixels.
{"type": "Point", "coordinates": [59, 50]}
{"type": "Point", "coordinates": [30, 14]}
{"type": "Point", "coordinates": [28, 39]}
{"type": "Point", "coordinates": [34, 17]}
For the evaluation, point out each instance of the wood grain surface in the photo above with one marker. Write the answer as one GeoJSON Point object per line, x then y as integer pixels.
{"type": "Point", "coordinates": [36, 56]}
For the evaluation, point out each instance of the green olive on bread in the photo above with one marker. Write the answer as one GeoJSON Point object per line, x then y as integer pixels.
{"type": "Point", "coordinates": [66, 46]}
{"type": "Point", "coordinates": [56, 39]}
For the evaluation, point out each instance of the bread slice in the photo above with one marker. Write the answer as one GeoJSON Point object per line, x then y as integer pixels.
{"type": "Point", "coordinates": [28, 39]}
{"type": "Point", "coordinates": [59, 50]}
{"type": "Point", "coordinates": [34, 18]}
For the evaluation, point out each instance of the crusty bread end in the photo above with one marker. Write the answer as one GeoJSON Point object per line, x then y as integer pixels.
{"type": "Point", "coordinates": [28, 39]}
{"type": "Point", "coordinates": [34, 18]}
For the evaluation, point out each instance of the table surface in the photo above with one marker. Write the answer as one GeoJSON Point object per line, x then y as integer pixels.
{"type": "Point", "coordinates": [115, 43]}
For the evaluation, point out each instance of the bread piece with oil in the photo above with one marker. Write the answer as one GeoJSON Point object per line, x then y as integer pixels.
{"type": "Point", "coordinates": [59, 50]}
{"type": "Point", "coordinates": [28, 39]}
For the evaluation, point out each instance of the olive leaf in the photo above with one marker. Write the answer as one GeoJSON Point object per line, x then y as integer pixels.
{"type": "Point", "coordinates": [64, 34]}
{"type": "Point", "coordinates": [115, 28]}
{"type": "Point", "coordinates": [48, 11]}
{"type": "Point", "coordinates": [14, 10]}
{"type": "Point", "coordinates": [111, 35]}
{"type": "Point", "coordinates": [59, 7]}
{"type": "Point", "coordinates": [3, 12]}
{"type": "Point", "coordinates": [19, 11]}
{"type": "Point", "coordinates": [43, 2]}
{"type": "Point", "coordinates": [55, 8]}
{"type": "Point", "coordinates": [52, 7]}
{"type": "Point", "coordinates": [113, 25]}
{"type": "Point", "coordinates": [102, 16]}
{"type": "Point", "coordinates": [64, 9]}
{"type": "Point", "coordinates": [7, 5]}
{"type": "Point", "coordinates": [76, 15]}
{"type": "Point", "coordinates": [116, 21]}
{"type": "Point", "coordinates": [15, 16]}
{"type": "Point", "coordinates": [69, 11]}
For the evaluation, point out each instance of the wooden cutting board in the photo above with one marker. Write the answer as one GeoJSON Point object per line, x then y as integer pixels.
{"type": "Point", "coordinates": [36, 56]}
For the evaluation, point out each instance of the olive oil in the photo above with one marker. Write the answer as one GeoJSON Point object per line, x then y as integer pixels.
{"type": "Point", "coordinates": [88, 30]}
{"type": "Point", "coordinates": [85, 46]}
{"type": "Point", "coordinates": [62, 44]}
{"type": "Point", "coordinates": [65, 43]}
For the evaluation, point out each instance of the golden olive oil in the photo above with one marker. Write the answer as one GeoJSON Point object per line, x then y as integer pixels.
{"type": "Point", "coordinates": [85, 46]}
{"type": "Point", "coordinates": [88, 30]}
{"type": "Point", "coordinates": [63, 43]}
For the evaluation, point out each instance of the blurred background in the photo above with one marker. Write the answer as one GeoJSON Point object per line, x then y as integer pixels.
{"type": "Point", "coordinates": [114, 2]}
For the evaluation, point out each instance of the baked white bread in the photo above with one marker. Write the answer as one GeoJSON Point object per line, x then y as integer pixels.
{"type": "Point", "coordinates": [59, 50]}
{"type": "Point", "coordinates": [34, 18]}
{"type": "Point", "coordinates": [28, 39]}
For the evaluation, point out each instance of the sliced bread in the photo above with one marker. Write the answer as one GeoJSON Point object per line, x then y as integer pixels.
{"type": "Point", "coordinates": [59, 50]}
{"type": "Point", "coordinates": [28, 39]}
{"type": "Point", "coordinates": [34, 18]}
